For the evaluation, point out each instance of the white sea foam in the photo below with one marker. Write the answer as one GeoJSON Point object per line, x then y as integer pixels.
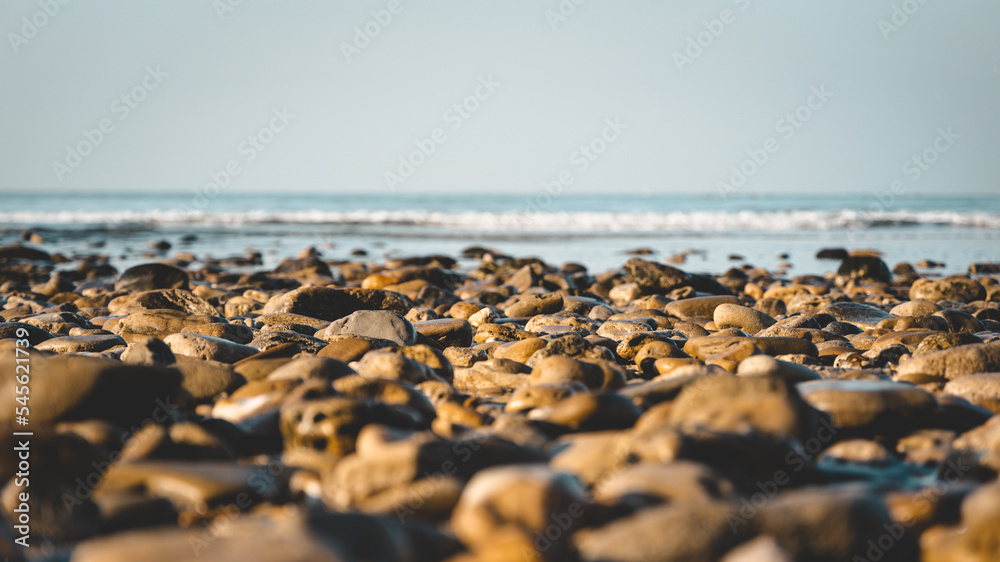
{"type": "Point", "coordinates": [569, 222]}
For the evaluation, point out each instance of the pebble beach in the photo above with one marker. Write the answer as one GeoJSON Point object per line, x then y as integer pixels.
{"type": "Point", "coordinates": [483, 406]}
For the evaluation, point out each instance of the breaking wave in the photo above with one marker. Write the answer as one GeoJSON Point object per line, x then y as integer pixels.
{"type": "Point", "coordinates": [569, 222]}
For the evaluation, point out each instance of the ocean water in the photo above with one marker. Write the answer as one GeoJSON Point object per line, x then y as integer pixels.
{"type": "Point", "coordinates": [594, 230]}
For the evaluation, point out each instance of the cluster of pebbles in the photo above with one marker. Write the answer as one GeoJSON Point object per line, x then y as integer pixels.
{"type": "Point", "coordinates": [510, 410]}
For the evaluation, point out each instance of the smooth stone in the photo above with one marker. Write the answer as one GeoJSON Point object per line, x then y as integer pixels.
{"type": "Point", "coordinates": [35, 335]}
{"type": "Point", "coordinates": [480, 378]}
{"type": "Point", "coordinates": [909, 338]}
{"type": "Point", "coordinates": [380, 324]}
{"type": "Point", "coordinates": [558, 370]}
{"type": "Point", "coordinates": [162, 299]}
{"type": "Point", "coordinates": [430, 357]}
{"type": "Point", "coordinates": [264, 341]}
{"type": "Point", "coordinates": [276, 535]}
{"type": "Point", "coordinates": [742, 317]}
{"type": "Point", "coordinates": [268, 319]}
{"type": "Point", "coordinates": [561, 320]}
{"type": "Point", "coordinates": [324, 303]}
{"type": "Point", "coordinates": [981, 389]}
{"type": "Point", "coordinates": [240, 306]}
{"type": "Point", "coordinates": [767, 366]}
{"type": "Point", "coordinates": [587, 411]}
{"type": "Point", "coordinates": [207, 347]}
{"type": "Point", "coordinates": [570, 345]}
{"type": "Point", "coordinates": [205, 380]}
{"type": "Point", "coordinates": [702, 347]}
{"type": "Point", "coordinates": [922, 322]}
{"type": "Point", "coordinates": [255, 369]}
{"type": "Point", "coordinates": [861, 315]}
{"type": "Point", "coordinates": [394, 366]}
{"type": "Point", "coordinates": [159, 323]}
{"type": "Point", "coordinates": [915, 308]}
{"type": "Point", "coordinates": [311, 367]}
{"type": "Point", "coordinates": [655, 278]}
{"type": "Point", "coordinates": [863, 269]}
{"type": "Point", "coordinates": [973, 536]}
{"type": "Point", "coordinates": [954, 362]}
{"type": "Point", "coordinates": [629, 347]}
{"type": "Point", "coordinates": [760, 549]}
{"type": "Point", "coordinates": [680, 482]}
{"type": "Point", "coordinates": [806, 303]}
{"type": "Point", "coordinates": [236, 333]}
{"type": "Point", "coordinates": [520, 350]}
{"type": "Point", "coordinates": [73, 387]}
{"type": "Point", "coordinates": [863, 451]}
{"type": "Point", "coordinates": [701, 307]}
{"type": "Point", "coordinates": [612, 328]}
{"type": "Point", "coordinates": [960, 289]}
{"type": "Point", "coordinates": [959, 321]}
{"type": "Point", "coordinates": [75, 344]}
{"type": "Point", "coordinates": [329, 425]}
{"type": "Point", "coordinates": [937, 342]}
{"type": "Point", "coordinates": [57, 322]}
{"type": "Point", "coordinates": [981, 445]}
{"type": "Point", "coordinates": [522, 497]}
{"type": "Point", "coordinates": [256, 401]}
{"type": "Point", "coordinates": [817, 524]}
{"type": "Point", "coordinates": [768, 405]}
{"type": "Point", "coordinates": [490, 332]}
{"type": "Point", "coordinates": [878, 406]}
{"type": "Point", "coordinates": [538, 396]}
{"type": "Point", "coordinates": [697, 533]}
{"type": "Point", "coordinates": [347, 349]}
{"type": "Point", "coordinates": [447, 331]}
{"type": "Point", "coordinates": [189, 484]}
{"type": "Point", "coordinates": [151, 276]}
{"type": "Point", "coordinates": [147, 351]}
{"type": "Point", "coordinates": [464, 356]}
{"type": "Point", "coordinates": [535, 305]}
{"type": "Point", "coordinates": [388, 392]}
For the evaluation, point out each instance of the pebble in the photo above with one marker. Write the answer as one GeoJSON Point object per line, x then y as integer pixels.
{"type": "Point", "coordinates": [147, 351]}
{"type": "Point", "coordinates": [449, 332]}
{"type": "Point", "coordinates": [870, 406]}
{"type": "Point", "coordinates": [152, 276]}
{"type": "Point", "coordinates": [208, 347]}
{"type": "Point", "coordinates": [735, 316]}
{"type": "Point", "coordinates": [954, 362]}
{"type": "Point", "coordinates": [504, 409]}
{"type": "Point", "coordinates": [76, 344]}
{"type": "Point", "coordinates": [378, 324]}
{"type": "Point", "coordinates": [236, 333]}
{"type": "Point", "coordinates": [982, 390]}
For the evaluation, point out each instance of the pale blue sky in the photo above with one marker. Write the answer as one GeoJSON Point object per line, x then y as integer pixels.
{"type": "Point", "coordinates": [554, 88]}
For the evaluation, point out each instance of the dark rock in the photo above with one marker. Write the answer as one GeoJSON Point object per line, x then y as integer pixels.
{"type": "Point", "coordinates": [152, 276]}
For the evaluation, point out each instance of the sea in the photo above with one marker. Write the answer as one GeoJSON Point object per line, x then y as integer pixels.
{"type": "Point", "coordinates": [698, 233]}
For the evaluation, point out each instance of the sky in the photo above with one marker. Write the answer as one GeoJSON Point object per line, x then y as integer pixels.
{"type": "Point", "coordinates": [503, 96]}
